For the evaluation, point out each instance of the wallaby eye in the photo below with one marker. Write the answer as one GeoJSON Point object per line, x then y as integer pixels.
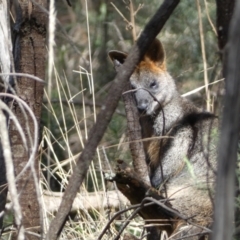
{"type": "Point", "coordinates": [153, 84]}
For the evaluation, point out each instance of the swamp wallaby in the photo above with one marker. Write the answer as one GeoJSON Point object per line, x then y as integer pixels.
{"type": "Point", "coordinates": [183, 159]}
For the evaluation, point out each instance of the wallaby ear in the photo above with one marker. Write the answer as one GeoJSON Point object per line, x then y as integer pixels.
{"type": "Point", "coordinates": [156, 52]}
{"type": "Point", "coordinates": [118, 58]}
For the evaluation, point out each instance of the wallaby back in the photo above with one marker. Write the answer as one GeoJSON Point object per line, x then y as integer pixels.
{"type": "Point", "coordinates": [182, 152]}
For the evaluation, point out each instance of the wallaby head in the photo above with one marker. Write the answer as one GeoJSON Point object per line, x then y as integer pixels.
{"type": "Point", "coordinates": [154, 86]}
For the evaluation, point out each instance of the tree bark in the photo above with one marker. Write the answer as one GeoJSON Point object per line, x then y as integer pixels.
{"type": "Point", "coordinates": [227, 156]}
{"type": "Point", "coordinates": [224, 15]}
{"type": "Point", "coordinates": [29, 56]}
{"type": "Point", "coordinates": [135, 137]}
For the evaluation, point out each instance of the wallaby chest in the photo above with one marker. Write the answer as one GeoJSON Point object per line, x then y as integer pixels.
{"type": "Point", "coordinates": [174, 148]}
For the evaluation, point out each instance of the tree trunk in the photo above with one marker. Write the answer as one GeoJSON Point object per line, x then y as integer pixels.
{"type": "Point", "coordinates": [224, 15]}
{"type": "Point", "coordinates": [5, 66]}
{"type": "Point", "coordinates": [29, 56]}
{"type": "Point", "coordinates": [228, 142]}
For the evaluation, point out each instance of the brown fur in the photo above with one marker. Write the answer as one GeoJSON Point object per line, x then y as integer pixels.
{"type": "Point", "coordinates": [148, 64]}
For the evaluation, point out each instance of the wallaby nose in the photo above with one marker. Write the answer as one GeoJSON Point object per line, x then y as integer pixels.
{"type": "Point", "coordinates": [142, 105]}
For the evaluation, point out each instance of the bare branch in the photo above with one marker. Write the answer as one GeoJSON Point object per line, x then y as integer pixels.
{"type": "Point", "coordinates": [23, 75]}
{"type": "Point", "coordinates": [120, 13]}
{"type": "Point", "coordinates": [209, 18]}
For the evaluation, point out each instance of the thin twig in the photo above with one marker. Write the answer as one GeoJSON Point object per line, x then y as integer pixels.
{"type": "Point", "coordinates": [208, 99]}
{"type": "Point", "coordinates": [140, 6]}
{"type": "Point", "coordinates": [118, 214]}
{"type": "Point", "coordinates": [200, 88]}
{"type": "Point", "coordinates": [23, 75]}
{"type": "Point", "coordinates": [209, 18]}
{"type": "Point", "coordinates": [135, 141]}
{"type": "Point", "coordinates": [127, 221]}
{"type": "Point", "coordinates": [120, 13]}
{"type": "Point", "coordinates": [7, 153]}
{"type": "Point", "coordinates": [132, 17]}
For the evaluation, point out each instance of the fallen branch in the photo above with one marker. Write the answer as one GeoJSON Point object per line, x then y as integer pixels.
{"type": "Point", "coordinates": [87, 201]}
{"type": "Point", "coordinates": [96, 200]}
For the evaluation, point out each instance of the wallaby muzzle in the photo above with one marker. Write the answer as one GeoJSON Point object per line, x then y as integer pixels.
{"type": "Point", "coordinates": [143, 99]}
